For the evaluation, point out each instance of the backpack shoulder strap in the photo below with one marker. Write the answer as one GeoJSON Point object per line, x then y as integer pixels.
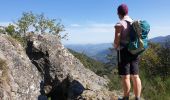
{"type": "Point", "coordinates": [136, 26]}
{"type": "Point", "coordinates": [129, 23]}
{"type": "Point", "coordinates": [128, 34]}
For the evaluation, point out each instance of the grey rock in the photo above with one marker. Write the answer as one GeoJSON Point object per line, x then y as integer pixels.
{"type": "Point", "coordinates": [46, 59]}
{"type": "Point", "coordinates": [63, 72]}
{"type": "Point", "coordinates": [20, 79]}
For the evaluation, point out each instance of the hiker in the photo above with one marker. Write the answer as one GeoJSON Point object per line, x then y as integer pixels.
{"type": "Point", "coordinates": [127, 63]}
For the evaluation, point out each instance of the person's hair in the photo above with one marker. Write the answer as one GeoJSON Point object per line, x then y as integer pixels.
{"type": "Point", "coordinates": [122, 9]}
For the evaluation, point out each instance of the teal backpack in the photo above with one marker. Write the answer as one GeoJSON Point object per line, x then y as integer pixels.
{"type": "Point", "coordinates": [138, 37]}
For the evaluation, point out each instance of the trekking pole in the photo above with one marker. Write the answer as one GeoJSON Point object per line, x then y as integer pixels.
{"type": "Point", "coordinates": [119, 60]}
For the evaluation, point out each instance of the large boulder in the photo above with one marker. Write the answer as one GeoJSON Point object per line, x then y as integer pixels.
{"type": "Point", "coordinates": [19, 78]}
{"type": "Point", "coordinates": [64, 76]}
{"type": "Point", "coordinates": [46, 68]}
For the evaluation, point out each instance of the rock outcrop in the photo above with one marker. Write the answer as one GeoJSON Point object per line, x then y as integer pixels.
{"type": "Point", "coordinates": [19, 78]}
{"type": "Point", "coordinates": [47, 68]}
{"type": "Point", "coordinates": [62, 72]}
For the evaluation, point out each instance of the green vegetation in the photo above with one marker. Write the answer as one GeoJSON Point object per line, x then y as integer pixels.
{"type": "Point", "coordinates": [154, 71]}
{"type": "Point", "coordinates": [27, 20]}
{"type": "Point", "coordinates": [2, 64]}
{"type": "Point", "coordinates": [11, 30]}
{"type": "Point", "coordinates": [4, 69]}
{"type": "Point", "coordinates": [31, 23]}
{"type": "Point", "coordinates": [90, 63]}
{"type": "Point", "coordinates": [115, 80]}
{"type": "Point", "coordinates": [38, 23]}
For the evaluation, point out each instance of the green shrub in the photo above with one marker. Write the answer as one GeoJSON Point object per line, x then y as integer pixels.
{"type": "Point", "coordinates": [2, 64]}
{"type": "Point", "coordinates": [4, 69]}
{"type": "Point", "coordinates": [155, 86]}
{"type": "Point", "coordinates": [115, 80]}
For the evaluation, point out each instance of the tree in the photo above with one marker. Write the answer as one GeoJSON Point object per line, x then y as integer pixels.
{"type": "Point", "coordinates": [40, 24]}
{"type": "Point", "coordinates": [10, 29]}
{"type": "Point", "coordinates": [2, 29]}
{"type": "Point", "coordinates": [46, 25]}
{"type": "Point", "coordinates": [27, 21]}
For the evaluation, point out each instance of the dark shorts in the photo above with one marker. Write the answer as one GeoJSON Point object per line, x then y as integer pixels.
{"type": "Point", "coordinates": [127, 63]}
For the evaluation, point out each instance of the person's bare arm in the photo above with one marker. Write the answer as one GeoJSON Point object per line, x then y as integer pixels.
{"type": "Point", "coordinates": [118, 29]}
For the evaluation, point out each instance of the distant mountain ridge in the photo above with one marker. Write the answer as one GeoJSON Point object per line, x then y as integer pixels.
{"type": "Point", "coordinates": [100, 51]}
{"type": "Point", "coordinates": [160, 39]}
{"type": "Point", "coordinates": [95, 51]}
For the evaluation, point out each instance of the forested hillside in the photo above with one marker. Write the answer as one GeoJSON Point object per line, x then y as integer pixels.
{"type": "Point", "coordinates": [95, 66]}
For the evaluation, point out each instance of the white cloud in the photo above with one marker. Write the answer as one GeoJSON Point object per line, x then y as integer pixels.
{"type": "Point", "coordinates": [104, 32]}
{"type": "Point", "coordinates": [90, 33]}
{"type": "Point", "coordinates": [101, 28]}
{"type": "Point", "coordinates": [75, 25]}
{"type": "Point", "coordinates": [102, 25]}
{"type": "Point", "coordinates": [4, 23]}
{"type": "Point", "coordinates": [91, 28]}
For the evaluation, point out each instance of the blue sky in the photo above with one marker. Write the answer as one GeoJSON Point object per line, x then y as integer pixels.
{"type": "Point", "coordinates": [91, 21]}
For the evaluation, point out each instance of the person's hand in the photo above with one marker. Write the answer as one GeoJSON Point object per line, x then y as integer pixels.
{"type": "Point", "coordinates": [114, 45]}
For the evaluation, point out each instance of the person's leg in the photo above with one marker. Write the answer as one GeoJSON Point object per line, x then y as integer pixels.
{"type": "Point", "coordinates": [124, 72]}
{"type": "Point", "coordinates": [126, 85]}
{"type": "Point", "coordinates": [136, 85]}
{"type": "Point", "coordinates": [134, 71]}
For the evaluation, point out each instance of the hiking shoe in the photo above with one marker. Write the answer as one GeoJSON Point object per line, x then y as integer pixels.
{"type": "Point", "coordinates": [124, 98]}
{"type": "Point", "coordinates": [137, 98]}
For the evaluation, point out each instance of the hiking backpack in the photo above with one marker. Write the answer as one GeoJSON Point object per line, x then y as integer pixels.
{"type": "Point", "coordinates": [138, 37]}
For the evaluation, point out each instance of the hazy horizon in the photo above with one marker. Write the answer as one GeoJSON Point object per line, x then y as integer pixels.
{"type": "Point", "coordinates": [99, 43]}
{"type": "Point", "coordinates": [91, 21]}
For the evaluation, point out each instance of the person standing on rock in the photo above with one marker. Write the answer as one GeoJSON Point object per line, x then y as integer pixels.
{"type": "Point", "coordinates": [127, 63]}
